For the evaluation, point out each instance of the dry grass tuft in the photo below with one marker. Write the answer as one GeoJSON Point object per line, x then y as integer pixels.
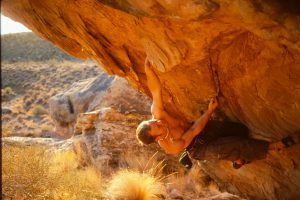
{"type": "Point", "coordinates": [38, 110]}
{"type": "Point", "coordinates": [29, 173]}
{"type": "Point", "coordinates": [7, 91]}
{"type": "Point", "coordinates": [142, 182]}
{"type": "Point", "coordinates": [143, 164]}
{"type": "Point", "coordinates": [134, 185]}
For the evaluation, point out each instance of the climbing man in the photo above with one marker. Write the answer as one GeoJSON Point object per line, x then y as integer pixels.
{"type": "Point", "coordinates": [205, 139]}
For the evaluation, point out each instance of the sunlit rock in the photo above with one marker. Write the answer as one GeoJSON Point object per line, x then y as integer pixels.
{"type": "Point", "coordinates": [245, 52]}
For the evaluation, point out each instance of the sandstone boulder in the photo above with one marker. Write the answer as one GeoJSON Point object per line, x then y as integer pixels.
{"type": "Point", "coordinates": [276, 177]}
{"type": "Point", "coordinates": [80, 98]}
{"type": "Point", "coordinates": [123, 97]}
{"type": "Point", "coordinates": [245, 52]}
{"type": "Point", "coordinates": [77, 110]}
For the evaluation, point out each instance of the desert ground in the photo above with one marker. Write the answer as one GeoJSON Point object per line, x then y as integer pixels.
{"type": "Point", "coordinates": [38, 164]}
{"type": "Point", "coordinates": [26, 89]}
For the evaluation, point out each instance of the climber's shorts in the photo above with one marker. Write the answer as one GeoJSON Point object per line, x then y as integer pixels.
{"type": "Point", "coordinates": [226, 147]}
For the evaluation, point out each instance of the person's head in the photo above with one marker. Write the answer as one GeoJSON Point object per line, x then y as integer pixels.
{"type": "Point", "coordinates": [148, 131]}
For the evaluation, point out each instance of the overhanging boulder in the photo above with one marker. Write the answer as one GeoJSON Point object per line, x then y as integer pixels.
{"type": "Point", "coordinates": [245, 52]}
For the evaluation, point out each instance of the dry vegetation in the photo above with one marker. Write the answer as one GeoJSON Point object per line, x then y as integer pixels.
{"type": "Point", "coordinates": [29, 173]}
{"type": "Point", "coordinates": [37, 173]}
{"type": "Point", "coordinates": [126, 184]}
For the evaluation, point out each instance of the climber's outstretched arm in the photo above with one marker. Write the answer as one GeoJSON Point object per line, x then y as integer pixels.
{"type": "Point", "coordinates": [200, 123]}
{"type": "Point", "coordinates": [180, 144]}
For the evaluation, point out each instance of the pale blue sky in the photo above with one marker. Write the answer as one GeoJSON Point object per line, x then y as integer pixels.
{"type": "Point", "coordinates": [10, 26]}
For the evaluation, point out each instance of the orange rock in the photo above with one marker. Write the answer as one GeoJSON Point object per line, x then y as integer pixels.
{"type": "Point", "coordinates": [245, 52]}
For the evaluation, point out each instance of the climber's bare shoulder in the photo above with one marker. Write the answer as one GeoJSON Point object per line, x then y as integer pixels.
{"type": "Point", "coordinates": [160, 113]}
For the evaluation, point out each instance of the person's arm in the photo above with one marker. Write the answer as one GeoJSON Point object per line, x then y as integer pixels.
{"type": "Point", "coordinates": [154, 86]}
{"type": "Point", "coordinates": [200, 123]}
{"type": "Point", "coordinates": [179, 144]}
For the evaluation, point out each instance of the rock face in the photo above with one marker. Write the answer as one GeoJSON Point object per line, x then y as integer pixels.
{"type": "Point", "coordinates": [245, 52]}
{"type": "Point", "coordinates": [77, 110]}
{"type": "Point", "coordinates": [276, 177]}
{"type": "Point", "coordinates": [122, 97]}
{"type": "Point", "coordinates": [81, 98]}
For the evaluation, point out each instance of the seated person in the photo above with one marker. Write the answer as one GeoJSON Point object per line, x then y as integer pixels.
{"type": "Point", "coordinates": [205, 139]}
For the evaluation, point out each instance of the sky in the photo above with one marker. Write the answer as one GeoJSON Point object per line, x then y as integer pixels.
{"type": "Point", "coordinates": [10, 26]}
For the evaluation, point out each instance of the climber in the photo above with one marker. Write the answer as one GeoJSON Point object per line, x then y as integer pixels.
{"type": "Point", "coordinates": [204, 139]}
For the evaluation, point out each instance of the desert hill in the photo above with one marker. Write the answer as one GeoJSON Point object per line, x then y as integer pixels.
{"type": "Point", "coordinates": [28, 46]}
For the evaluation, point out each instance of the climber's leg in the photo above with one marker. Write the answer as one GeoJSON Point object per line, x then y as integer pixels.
{"type": "Point", "coordinates": [231, 148]}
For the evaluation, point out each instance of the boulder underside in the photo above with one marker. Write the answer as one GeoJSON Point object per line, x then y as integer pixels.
{"type": "Point", "coordinates": [245, 52]}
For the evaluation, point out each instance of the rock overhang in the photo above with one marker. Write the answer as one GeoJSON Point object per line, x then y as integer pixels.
{"type": "Point", "coordinates": [246, 53]}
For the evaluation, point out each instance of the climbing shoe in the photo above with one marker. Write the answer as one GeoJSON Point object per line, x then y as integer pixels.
{"type": "Point", "coordinates": [237, 165]}
{"type": "Point", "coordinates": [185, 160]}
{"type": "Point", "coordinates": [290, 140]}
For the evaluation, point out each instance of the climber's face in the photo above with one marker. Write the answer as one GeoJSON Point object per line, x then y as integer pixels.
{"type": "Point", "coordinates": [158, 128]}
{"type": "Point", "coordinates": [150, 131]}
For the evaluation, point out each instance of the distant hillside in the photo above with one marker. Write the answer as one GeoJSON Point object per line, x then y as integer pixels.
{"type": "Point", "coordinates": [29, 47]}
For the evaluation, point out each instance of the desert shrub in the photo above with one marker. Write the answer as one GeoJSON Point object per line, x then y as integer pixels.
{"type": "Point", "coordinates": [7, 91]}
{"type": "Point", "coordinates": [144, 180]}
{"type": "Point", "coordinates": [134, 185]}
{"type": "Point", "coordinates": [29, 173]}
{"type": "Point", "coordinates": [38, 110]}
{"type": "Point", "coordinates": [46, 127]}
